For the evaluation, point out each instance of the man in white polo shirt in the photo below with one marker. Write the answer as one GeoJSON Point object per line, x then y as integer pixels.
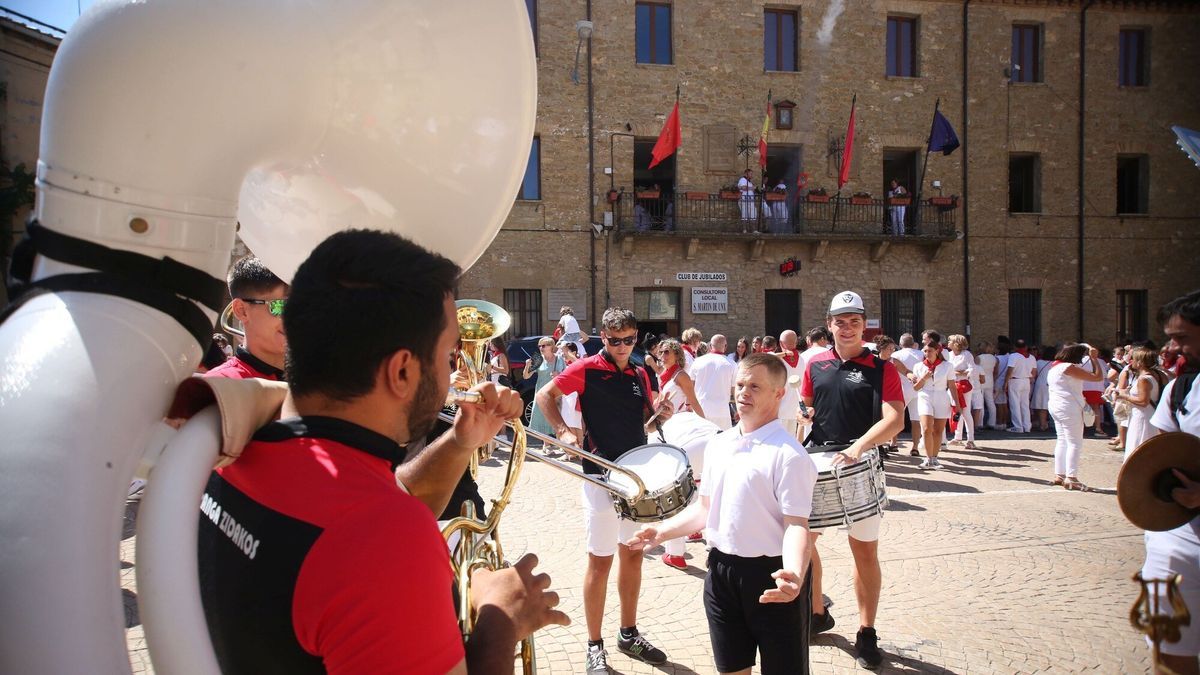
{"type": "Point", "coordinates": [1022, 369]}
{"type": "Point", "coordinates": [754, 504]}
{"type": "Point", "coordinates": [904, 359]}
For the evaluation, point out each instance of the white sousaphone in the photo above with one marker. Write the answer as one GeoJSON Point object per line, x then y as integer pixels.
{"type": "Point", "coordinates": [165, 124]}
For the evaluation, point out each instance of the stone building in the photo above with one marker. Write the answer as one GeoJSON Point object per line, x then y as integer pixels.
{"type": "Point", "coordinates": [1034, 238]}
{"type": "Point", "coordinates": [26, 50]}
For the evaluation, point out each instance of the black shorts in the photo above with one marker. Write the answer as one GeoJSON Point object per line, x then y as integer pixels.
{"type": "Point", "coordinates": [739, 624]}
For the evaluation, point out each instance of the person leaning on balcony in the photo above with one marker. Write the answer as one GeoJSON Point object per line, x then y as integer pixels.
{"type": "Point", "coordinates": [749, 210]}
{"type": "Point", "coordinates": [897, 212]}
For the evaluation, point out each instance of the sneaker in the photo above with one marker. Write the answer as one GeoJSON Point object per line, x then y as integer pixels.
{"type": "Point", "coordinates": [639, 648]}
{"type": "Point", "coordinates": [926, 464]}
{"type": "Point", "coordinates": [819, 623]}
{"type": "Point", "coordinates": [675, 561]}
{"type": "Point", "coordinates": [1014, 430]}
{"type": "Point", "coordinates": [136, 487]}
{"type": "Point", "coordinates": [935, 464]}
{"type": "Point", "coordinates": [866, 649]}
{"type": "Point", "coordinates": [597, 661]}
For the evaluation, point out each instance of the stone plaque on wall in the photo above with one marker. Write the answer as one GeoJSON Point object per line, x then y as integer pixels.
{"type": "Point", "coordinates": [720, 149]}
{"type": "Point", "coordinates": [575, 298]}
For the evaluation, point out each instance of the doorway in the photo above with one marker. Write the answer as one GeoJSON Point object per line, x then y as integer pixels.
{"type": "Point", "coordinates": [784, 164]}
{"type": "Point", "coordinates": [783, 311]}
{"type": "Point", "coordinates": [901, 166]}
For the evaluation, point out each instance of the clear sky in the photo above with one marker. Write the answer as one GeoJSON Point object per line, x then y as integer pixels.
{"type": "Point", "coordinates": [58, 13]}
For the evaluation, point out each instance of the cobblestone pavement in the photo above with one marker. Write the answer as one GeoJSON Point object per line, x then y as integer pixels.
{"type": "Point", "coordinates": [986, 569]}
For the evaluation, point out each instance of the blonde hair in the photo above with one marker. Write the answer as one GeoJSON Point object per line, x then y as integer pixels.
{"type": "Point", "coordinates": [691, 335]}
{"type": "Point", "coordinates": [1143, 358]}
{"type": "Point", "coordinates": [960, 340]}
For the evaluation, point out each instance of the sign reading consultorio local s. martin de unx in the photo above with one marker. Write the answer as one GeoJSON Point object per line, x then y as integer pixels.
{"type": "Point", "coordinates": [710, 300]}
{"type": "Point", "coordinates": [701, 276]}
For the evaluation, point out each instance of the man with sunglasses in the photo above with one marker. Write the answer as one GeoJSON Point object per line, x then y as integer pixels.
{"type": "Point", "coordinates": [616, 404]}
{"type": "Point", "coordinates": [258, 301]}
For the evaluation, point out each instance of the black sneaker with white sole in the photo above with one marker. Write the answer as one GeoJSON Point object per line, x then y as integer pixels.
{"type": "Point", "coordinates": [866, 649]}
{"type": "Point", "coordinates": [638, 647]}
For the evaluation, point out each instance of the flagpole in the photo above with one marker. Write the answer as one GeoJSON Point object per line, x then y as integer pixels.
{"type": "Point", "coordinates": [837, 198]}
{"type": "Point", "coordinates": [924, 166]}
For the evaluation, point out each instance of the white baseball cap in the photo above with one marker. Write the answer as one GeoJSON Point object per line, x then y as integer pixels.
{"type": "Point", "coordinates": [846, 302]}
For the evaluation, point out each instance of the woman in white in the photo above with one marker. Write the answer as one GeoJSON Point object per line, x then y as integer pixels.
{"type": "Point", "coordinates": [962, 361]}
{"type": "Point", "coordinates": [984, 394]}
{"type": "Point", "coordinates": [1065, 381]}
{"type": "Point", "coordinates": [676, 385]}
{"type": "Point", "coordinates": [1120, 384]}
{"type": "Point", "coordinates": [498, 361]}
{"type": "Point", "coordinates": [999, 393]}
{"type": "Point", "coordinates": [1039, 400]}
{"type": "Point", "coordinates": [568, 405]}
{"type": "Point", "coordinates": [1145, 385]}
{"type": "Point", "coordinates": [570, 328]}
{"type": "Point", "coordinates": [741, 351]}
{"type": "Point", "coordinates": [933, 379]}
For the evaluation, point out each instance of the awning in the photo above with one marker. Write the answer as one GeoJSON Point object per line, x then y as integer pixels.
{"type": "Point", "coordinates": [1189, 142]}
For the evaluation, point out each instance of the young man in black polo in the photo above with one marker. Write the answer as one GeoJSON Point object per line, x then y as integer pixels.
{"type": "Point", "coordinates": [854, 398]}
{"type": "Point", "coordinates": [258, 301]}
{"type": "Point", "coordinates": [615, 399]}
{"type": "Point", "coordinates": [311, 558]}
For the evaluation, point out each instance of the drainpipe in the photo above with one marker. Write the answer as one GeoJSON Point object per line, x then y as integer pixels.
{"type": "Point", "coordinates": [966, 127]}
{"type": "Point", "coordinates": [591, 99]}
{"type": "Point", "coordinates": [1082, 106]}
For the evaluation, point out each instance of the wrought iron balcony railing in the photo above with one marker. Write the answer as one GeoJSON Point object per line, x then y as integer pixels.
{"type": "Point", "coordinates": [809, 217]}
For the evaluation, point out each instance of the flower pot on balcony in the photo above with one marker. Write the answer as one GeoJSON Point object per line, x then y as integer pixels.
{"type": "Point", "coordinates": [899, 201]}
{"type": "Point", "coordinates": [944, 201]}
{"type": "Point", "coordinates": [816, 198]}
{"type": "Point", "coordinates": [649, 194]}
{"type": "Point", "coordinates": [861, 201]}
{"type": "Point", "coordinates": [776, 196]}
{"type": "Point", "coordinates": [731, 196]}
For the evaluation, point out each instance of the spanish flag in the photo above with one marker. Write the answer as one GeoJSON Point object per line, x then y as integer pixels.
{"type": "Point", "coordinates": [762, 139]}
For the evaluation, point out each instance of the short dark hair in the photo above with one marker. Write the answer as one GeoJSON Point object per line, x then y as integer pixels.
{"type": "Point", "coordinates": [883, 341]}
{"type": "Point", "coordinates": [380, 293]}
{"type": "Point", "coordinates": [249, 276]}
{"type": "Point", "coordinates": [819, 333]}
{"type": "Point", "coordinates": [774, 365]}
{"type": "Point", "coordinates": [931, 336]}
{"type": "Point", "coordinates": [1186, 307]}
{"type": "Point", "coordinates": [1072, 353]}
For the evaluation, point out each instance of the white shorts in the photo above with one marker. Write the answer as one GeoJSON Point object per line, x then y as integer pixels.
{"type": "Point", "coordinates": [604, 528]}
{"type": "Point", "coordinates": [1164, 557]}
{"type": "Point", "coordinates": [864, 530]}
{"type": "Point", "coordinates": [935, 404]}
{"type": "Point", "coordinates": [911, 404]}
{"type": "Point", "coordinates": [976, 399]}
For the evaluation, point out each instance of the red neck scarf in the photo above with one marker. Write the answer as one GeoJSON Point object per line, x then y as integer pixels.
{"type": "Point", "coordinates": [667, 375]}
{"type": "Point", "coordinates": [933, 365]}
{"type": "Point", "coordinates": [1023, 351]}
{"type": "Point", "coordinates": [790, 358]}
{"type": "Point", "coordinates": [689, 350]}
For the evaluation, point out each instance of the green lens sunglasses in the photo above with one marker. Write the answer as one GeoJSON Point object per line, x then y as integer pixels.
{"type": "Point", "coordinates": [275, 307]}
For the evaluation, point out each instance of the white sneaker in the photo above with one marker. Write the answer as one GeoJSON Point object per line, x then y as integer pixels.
{"type": "Point", "coordinates": [935, 464]}
{"type": "Point", "coordinates": [926, 464]}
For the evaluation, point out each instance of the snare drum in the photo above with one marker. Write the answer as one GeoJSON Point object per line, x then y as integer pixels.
{"type": "Point", "coordinates": [665, 471]}
{"type": "Point", "coordinates": [848, 493]}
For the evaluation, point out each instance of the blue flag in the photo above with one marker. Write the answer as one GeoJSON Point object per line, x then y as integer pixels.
{"type": "Point", "coordinates": [942, 136]}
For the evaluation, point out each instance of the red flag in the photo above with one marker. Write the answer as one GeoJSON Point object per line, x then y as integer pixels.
{"type": "Point", "coordinates": [669, 139]}
{"type": "Point", "coordinates": [844, 174]}
{"type": "Point", "coordinates": [762, 138]}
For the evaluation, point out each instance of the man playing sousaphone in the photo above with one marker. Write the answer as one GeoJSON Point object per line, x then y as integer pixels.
{"type": "Point", "coordinates": [311, 558]}
{"type": "Point", "coordinates": [615, 400]}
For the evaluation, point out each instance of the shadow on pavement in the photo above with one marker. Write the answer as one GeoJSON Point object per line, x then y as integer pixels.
{"type": "Point", "coordinates": [129, 526]}
{"type": "Point", "coordinates": [129, 600]}
{"type": "Point", "coordinates": [892, 662]}
{"type": "Point", "coordinates": [897, 505]}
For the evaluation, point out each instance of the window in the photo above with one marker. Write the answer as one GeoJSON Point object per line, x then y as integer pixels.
{"type": "Point", "coordinates": [1133, 68]}
{"type": "Point", "coordinates": [657, 310]}
{"type": "Point", "coordinates": [1026, 53]}
{"type": "Point", "coordinates": [524, 305]}
{"type": "Point", "coordinates": [1133, 184]}
{"type": "Point", "coordinates": [531, 185]}
{"type": "Point", "coordinates": [903, 312]}
{"type": "Point", "coordinates": [1131, 316]}
{"type": "Point", "coordinates": [1024, 183]}
{"type": "Point", "coordinates": [779, 40]}
{"type": "Point", "coordinates": [901, 46]}
{"type": "Point", "coordinates": [531, 7]}
{"type": "Point", "coordinates": [653, 33]}
{"type": "Point", "coordinates": [1025, 315]}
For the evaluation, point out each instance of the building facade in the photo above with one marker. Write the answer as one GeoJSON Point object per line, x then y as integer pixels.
{"type": "Point", "coordinates": [1068, 211]}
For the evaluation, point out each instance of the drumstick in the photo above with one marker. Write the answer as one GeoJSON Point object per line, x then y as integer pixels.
{"type": "Point", "coordinates": [665, 399]}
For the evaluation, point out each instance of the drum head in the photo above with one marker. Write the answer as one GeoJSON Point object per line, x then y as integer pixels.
{"type": "Point", "coordinates": [657, 464]}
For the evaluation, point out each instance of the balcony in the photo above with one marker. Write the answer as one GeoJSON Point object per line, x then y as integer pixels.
{"type": "Point", "coordinates": [701, 215]}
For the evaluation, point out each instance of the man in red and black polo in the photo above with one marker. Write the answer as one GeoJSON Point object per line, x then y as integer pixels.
{"type": "Point", "coordinates": [616, 401]}
{"type": "Point", "coordinates": [258, 300]}
{"type": "Point", "coordinates": [855, 399]}
{"type": "Point", "coordinates": [311, 558]}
